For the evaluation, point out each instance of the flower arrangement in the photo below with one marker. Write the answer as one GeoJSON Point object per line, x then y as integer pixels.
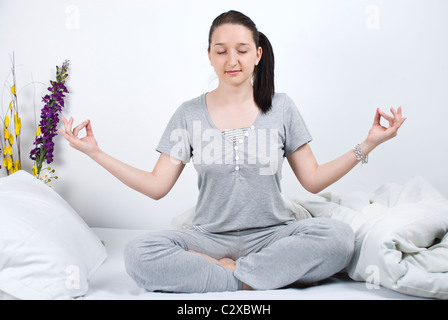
{"type": "Point", "coordinates": [47, 130]}
{"type": "Point", "coordinates": [43, 152]}
{"type": "Point", "coordinates": [11, 131]}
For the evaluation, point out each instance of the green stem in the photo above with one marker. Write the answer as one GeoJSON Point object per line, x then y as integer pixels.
{"type": "Point", "coordinates": [40, 161]}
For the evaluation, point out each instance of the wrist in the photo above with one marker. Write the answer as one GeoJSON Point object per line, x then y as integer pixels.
{"type": "Point", "coordinates": [367, 147]}
{"type": "Point", "coordinates": [95, 155]}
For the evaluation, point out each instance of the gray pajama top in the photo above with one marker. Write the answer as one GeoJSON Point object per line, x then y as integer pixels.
{"type": "Point", "coordinates": [239, 171]}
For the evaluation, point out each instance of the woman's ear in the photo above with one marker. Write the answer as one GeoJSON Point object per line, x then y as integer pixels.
{"type": "Point", "coordinates": [259, 55]}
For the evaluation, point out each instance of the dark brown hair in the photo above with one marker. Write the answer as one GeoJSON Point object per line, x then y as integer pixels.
{"type": "Point", "coordinates": [264, 87]}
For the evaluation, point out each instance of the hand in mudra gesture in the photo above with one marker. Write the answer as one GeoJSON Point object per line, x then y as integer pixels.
{"type": "Point", "coordinates": [88, 144]}
{"type": "Point", "coordinates": [379, 134]}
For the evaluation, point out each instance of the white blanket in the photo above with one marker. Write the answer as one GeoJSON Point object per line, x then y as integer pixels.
{"type": "Point", "coordinates": [401, 235]}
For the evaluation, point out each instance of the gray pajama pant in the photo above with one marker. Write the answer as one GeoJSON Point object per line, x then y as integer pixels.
{"type": "Point", "coordinates": [305, 251]}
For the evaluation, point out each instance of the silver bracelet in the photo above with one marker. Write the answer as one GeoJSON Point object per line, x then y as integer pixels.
{"type": "Point", "coordinates": [360, 155]}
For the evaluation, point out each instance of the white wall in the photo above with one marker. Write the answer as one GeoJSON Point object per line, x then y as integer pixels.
{"type": "Point", "coordinates": [134, 62]}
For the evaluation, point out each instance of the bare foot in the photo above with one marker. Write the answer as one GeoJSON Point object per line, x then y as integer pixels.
{"type": "Point", "coordinates": [212, 260]}
{"type": "Point", "coordinates": [225, 262]}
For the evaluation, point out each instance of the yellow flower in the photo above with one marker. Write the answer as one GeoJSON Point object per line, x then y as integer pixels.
{"type": "Point", "coordinates": [34, 171]}
{"type": "Point", "coordinates": [5, 162]}
{"type": "Point", "coordinates": [13, 90]}
{"type": "Point", "coordinates": [9, 151]}
{"type": "Point", "coordinates": [38, 131]}
{"type": "Point", "coordinates": [7, 122]}
{"type": "Point", "coordinates": [11, 139]}
{"type": "Point", "coordinates": [6, 134]}
{"type": "Point", "coordinates": [9, 166]}
{"type": "Point", "coordinates": [17, 166]}
{"type": "Point", "coordinates": [10, 106]}
{"type": "Point", "coordinates": [18, 126]}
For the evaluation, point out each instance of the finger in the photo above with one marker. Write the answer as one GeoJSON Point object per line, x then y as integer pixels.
{"type": "Point", "coordinates": [89, 129]}
{"type": "Point", "coordinates": [387, 117]}
{"type": "Point", "coordinates": [80, 127]}
{"type": "Point", "coordinates": [377, 117]}
{"type": "Point", "coordinates": [66, 136]}
{"type": "Point", "coordinates": [68, 126]}
{"type": "Point", "coordinates": [400, 115]}
{"type": "Point", "coordinates": [401, 122]}
{"type": "Point", "coordinates": [397, 125]}
{"type": "Point", "coordinates": [64, 121]}
{"type": "Point", "coordinates": [395, 114]}
{"type": "Point", "coordinates": [392, 110]}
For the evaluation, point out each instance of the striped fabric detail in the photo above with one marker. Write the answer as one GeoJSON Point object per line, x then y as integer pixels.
{"type": "Point", "coordinates": [199, 228]}
{"type": "Point", "coordinates": [235, 135]}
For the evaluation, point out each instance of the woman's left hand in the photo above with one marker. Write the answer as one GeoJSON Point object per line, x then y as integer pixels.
{"type": "Point", "coordinates": [379, 134]}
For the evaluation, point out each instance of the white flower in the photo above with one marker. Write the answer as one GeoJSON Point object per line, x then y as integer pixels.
{"type": "Point", "coordinates": [44, 175]}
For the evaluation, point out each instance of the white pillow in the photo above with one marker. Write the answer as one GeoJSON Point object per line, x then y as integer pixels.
{"type": "Point", "coordinates": [46, 250]}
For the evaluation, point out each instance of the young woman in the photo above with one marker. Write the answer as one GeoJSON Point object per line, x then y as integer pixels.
{"type": "Point", "coordinates": [238, 137]}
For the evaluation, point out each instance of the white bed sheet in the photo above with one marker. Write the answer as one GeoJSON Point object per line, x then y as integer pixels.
{"type": "Point", "coordinates": [111, 282]}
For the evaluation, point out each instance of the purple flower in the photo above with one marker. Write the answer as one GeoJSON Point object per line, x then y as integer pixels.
{"type": "Point", "coordinates": [53, 105]}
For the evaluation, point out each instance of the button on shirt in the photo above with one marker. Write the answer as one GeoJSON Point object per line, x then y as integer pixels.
{"type": "Point", "coordinates": [239, 171]}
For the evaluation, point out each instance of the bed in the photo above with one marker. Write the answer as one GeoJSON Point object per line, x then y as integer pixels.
{"type": "Point", "coordinates": [48, 252]}
{"type": "Point", "coordinates": [110, 281]}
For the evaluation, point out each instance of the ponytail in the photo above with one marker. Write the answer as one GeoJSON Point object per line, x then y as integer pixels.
{"type": "Point", "coordinates": [263, 76]}
{"type": "Point", "coordinates": [264, 86]}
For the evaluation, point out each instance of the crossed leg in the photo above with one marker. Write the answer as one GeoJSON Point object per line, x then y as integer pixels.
{"type": "Point", "coordinates": [304, 252]}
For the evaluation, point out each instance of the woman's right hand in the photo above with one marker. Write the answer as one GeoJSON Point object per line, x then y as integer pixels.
{"type": "Point", "coordinates": [88, 144]}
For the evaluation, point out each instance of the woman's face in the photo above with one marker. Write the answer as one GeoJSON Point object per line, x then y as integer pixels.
{"type": "Point", "coordinates": [233, 54]}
